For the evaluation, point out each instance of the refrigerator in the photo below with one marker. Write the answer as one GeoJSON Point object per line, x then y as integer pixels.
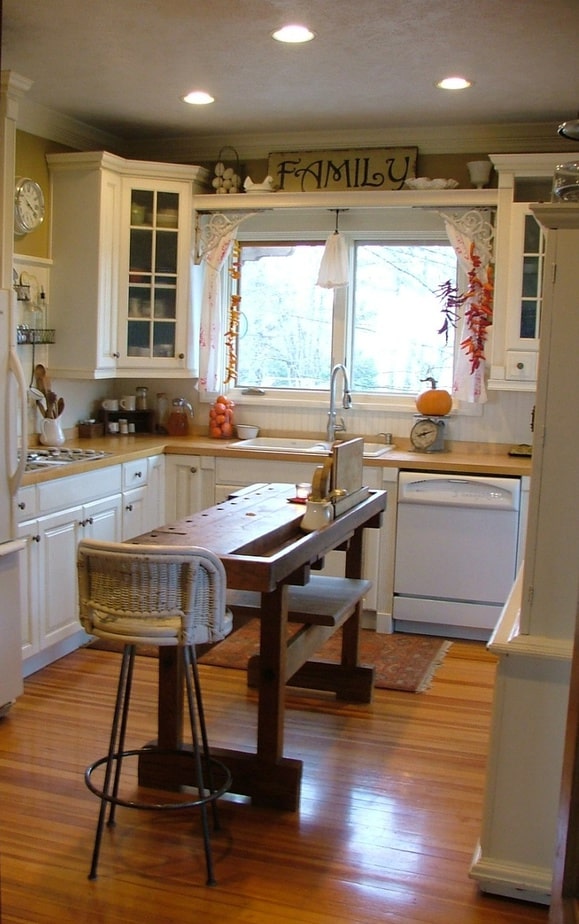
{"type": "Point", "coordinates": [13, 428]}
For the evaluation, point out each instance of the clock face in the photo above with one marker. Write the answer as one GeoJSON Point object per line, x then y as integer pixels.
{"type": "Point", "coordinates": [424, 434]}
{"type": "Point", "coordinates": [28, 206]}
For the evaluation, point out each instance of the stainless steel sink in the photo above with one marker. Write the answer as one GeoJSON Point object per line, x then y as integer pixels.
{"type": "Point", "coordinates": [317, 447]}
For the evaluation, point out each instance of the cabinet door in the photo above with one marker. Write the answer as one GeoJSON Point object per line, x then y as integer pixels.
{"type": "Point", "coordinates": [155, 504]}
{"type": "Point", "coordinates": [134, 513]}
{"type": "Point", "coordinates": [102, 519]}
{"type": "Point", "coordinates": [189, 485]}
{"type": "Point", "coordinates": [84, 279]}
{"type": "Point", "coordinates": [30, 587]}
{"type": "Point", "coordinates": [154, 280]}
{"type": "Point", "coordinates": [59, 536]}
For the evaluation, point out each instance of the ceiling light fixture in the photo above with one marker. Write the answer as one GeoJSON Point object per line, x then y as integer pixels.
{"type": "Point", "coordinates": [198, 98]}
{"type": "Point", "coordinates": [293, 34]}
{"type": "Point", "coordinates": [454, 83]}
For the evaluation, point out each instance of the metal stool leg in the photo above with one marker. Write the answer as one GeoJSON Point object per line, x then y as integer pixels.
{"type": "Point", "coordinates": [123, 732]}
{"type": "Point", "coordinates": [188, 660]}
{"type": "Point", "coordinates": [121, 707]}
{"type": "Point", "coordinates": [204, 738]}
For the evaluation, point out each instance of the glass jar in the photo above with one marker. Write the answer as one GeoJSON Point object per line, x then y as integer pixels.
{"type": "Point", "coordinates": [141, 394]}
{"type": "Point", "coordinates": [566, 183]}
{"type": "Point", "coordinates": [162, 411]}
{"type": "Point", "coordinates": [180, 418]}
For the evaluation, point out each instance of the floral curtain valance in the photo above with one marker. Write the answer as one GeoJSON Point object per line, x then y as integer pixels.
{"type": "Point", "coordinates": [471, 235]}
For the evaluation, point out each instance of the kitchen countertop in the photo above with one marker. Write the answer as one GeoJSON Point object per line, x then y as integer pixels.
{"type": "Point", "coordinates": [465, 458]}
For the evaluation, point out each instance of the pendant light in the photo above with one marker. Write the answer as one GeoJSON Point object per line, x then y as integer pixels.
{"type": "Point", "coordinates": [333, 272]}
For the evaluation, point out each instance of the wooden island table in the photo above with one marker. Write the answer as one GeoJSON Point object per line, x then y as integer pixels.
{"type": "Point", "coordinates": [268, 558]}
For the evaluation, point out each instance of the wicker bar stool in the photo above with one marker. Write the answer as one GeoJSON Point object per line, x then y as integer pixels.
{"type": "Point", "coordinates": [154, 595]}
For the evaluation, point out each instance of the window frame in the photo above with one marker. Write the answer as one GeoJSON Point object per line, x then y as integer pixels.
{"type": "Point", "coordinates": [342, 334]}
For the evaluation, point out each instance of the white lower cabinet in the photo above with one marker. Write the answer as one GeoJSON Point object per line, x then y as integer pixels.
{"type": "Point", "coordinates": [52, 530]}
{"type": "Point", "coordinates": [190, 482]}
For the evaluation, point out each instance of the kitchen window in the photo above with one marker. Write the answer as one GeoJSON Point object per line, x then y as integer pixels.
{"type": "Point", "coordinates": [384, 323]}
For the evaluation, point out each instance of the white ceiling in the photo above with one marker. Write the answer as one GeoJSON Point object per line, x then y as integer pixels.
{"type": "Point", "coordinates": [120, 66]}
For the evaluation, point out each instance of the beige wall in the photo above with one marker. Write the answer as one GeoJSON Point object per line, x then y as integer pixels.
{"type": "Point", "coordinates": [31, 162]}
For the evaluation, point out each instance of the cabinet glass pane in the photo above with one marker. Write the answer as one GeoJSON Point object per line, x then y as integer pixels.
{"type": "Point", "coordinates": [165, 252]}
{"type": "Point", "coordinates": [141, 253]}
{"type": "Point", "coordinates": [163, 339]}
{"type": "Point", "coordinates": [532, 281]}
{"type": "Point", "coordinates": [141, 206]}
{"type": "Point", "coordinates": [138, 338]}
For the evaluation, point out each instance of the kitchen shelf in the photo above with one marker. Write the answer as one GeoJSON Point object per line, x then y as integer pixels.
{"type": "Point", "coordinates": [144, 421]}
{"type": "Point", "coordinates": [34, 335]}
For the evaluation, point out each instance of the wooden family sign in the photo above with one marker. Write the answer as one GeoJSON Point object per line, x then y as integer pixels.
{"type": "Point", "coordinates": [365, 168]}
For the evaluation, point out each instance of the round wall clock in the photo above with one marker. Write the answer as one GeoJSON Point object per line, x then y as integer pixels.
{"type": "Point", "coordinates": [28, 206]}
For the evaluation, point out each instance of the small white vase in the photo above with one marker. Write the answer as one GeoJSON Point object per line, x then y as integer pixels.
{"type": "Point", "coordinates": [51, 433]}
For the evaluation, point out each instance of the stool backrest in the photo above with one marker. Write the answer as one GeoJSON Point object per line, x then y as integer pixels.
{"type": "Point", "coordinates": [155, 583]}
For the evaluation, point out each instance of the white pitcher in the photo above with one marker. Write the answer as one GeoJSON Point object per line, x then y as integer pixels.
{"type": "Point", "coordinates": [51, 433]}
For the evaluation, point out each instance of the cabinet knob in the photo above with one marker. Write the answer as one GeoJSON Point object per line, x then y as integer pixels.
{"type": "Point", "coordinates": [116, 355]}
{"type": "Point", "coordinates": [181, 356]}
{"type": "Point", "coordinates": [129, 507]}
{"type": "Point", "coordinates": [520, 365]}
{"type": "Point", "coordinates": [21, 505]}
{"type": "Point", "coordinates": [36, 538]}
{"type": "Point", "coordinates": [138, 474]}
{"type": "Point", "coordinates": [193, 469]}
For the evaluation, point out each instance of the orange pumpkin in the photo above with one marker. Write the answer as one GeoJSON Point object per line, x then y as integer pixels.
{"type": "Point", "coordinates": [434, 402]}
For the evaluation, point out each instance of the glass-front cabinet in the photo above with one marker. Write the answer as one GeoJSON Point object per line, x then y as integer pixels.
{"type": "Point", "coordinates": [520, 267]}
{"type": "Point", "coordinates": [155, 275]}
{"type": "Point", "coordinates": [120, 290]}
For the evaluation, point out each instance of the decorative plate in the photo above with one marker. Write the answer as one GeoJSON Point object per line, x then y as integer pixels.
{"type": "Point", "coordinates": [424, 182]}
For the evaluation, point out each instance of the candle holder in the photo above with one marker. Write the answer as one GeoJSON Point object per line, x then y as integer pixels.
{"type": "Point", "coordinates": [479, 172]}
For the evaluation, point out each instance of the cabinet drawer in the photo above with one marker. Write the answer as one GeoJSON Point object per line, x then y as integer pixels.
{"type": "Point", "coordinates": [255, 471]}
{"type": "Point", "coordinates": [78, 489]}
{"type": "Point", "coordinates": [26, 505]}
{"type": "Point", "coordinates": [135, 474]}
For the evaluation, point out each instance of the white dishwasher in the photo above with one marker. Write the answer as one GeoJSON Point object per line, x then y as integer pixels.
{"type": "Point", "coordinates": [456, 552]}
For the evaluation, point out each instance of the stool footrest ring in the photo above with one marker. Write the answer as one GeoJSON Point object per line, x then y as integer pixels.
{"type": "Point", "coordinates": [211, 796]}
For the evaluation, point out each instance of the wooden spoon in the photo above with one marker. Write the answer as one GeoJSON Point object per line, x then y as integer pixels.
{"type": "Point", "coordinates": [40, 378]}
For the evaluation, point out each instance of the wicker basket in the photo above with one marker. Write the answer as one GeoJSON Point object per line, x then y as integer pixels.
{"type": "Point", "coordinates": [227, 172]}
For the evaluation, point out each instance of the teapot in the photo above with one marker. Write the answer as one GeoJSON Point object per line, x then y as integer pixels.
{"type": "Point", "coordinates": [180, 418]}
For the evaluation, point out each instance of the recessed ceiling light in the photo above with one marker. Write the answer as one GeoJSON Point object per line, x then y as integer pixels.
{"type": "Point", "coordinates": [198, 98]}
{"type": "Point", "coordinates": [454, 83]}
{"type": "Point", "coordinates": [293, 34]}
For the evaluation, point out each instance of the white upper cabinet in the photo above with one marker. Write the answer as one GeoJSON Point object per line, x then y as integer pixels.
{"type": "Point", "coordinates": [120, 287]}
{"type": "Point", "coordinates": [519, 267]}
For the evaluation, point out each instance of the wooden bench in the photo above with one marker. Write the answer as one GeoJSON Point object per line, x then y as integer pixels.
{"type": "Point", "coordinates": [321, 607]}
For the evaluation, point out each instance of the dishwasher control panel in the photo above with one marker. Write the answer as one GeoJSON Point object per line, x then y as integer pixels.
{"type": "Point", "coordinates": [459, 490]}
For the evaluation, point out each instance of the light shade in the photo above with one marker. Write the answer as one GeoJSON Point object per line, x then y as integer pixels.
{"type": "Point", "coordinates": [293, 34]}
{"type": "Point", "coordinates": [454, 83]}
{"type": "Point", "coordinates": [198, 98]}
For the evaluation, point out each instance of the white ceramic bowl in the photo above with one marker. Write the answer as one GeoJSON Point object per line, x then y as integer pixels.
{"type": "Point", "coordinates": [246, 432]}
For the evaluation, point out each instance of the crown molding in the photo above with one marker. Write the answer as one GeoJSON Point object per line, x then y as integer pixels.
{"type": "Point", "coordinates": [500, 138]}
{"type": "Point", "coordinates": [48, 123]}
{"type": "Point", "coordinates": [463, 139]}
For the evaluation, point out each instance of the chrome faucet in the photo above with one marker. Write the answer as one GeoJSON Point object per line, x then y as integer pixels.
{"type": "Point", "coordinates": [335, 426]}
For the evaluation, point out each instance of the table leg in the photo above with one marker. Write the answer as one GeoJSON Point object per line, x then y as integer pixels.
{"type": "Point", "coordinates": [272, 670]}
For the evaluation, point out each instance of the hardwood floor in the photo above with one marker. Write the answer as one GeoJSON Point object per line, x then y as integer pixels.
{"type": "Point", "coordinates": [390, 813]}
